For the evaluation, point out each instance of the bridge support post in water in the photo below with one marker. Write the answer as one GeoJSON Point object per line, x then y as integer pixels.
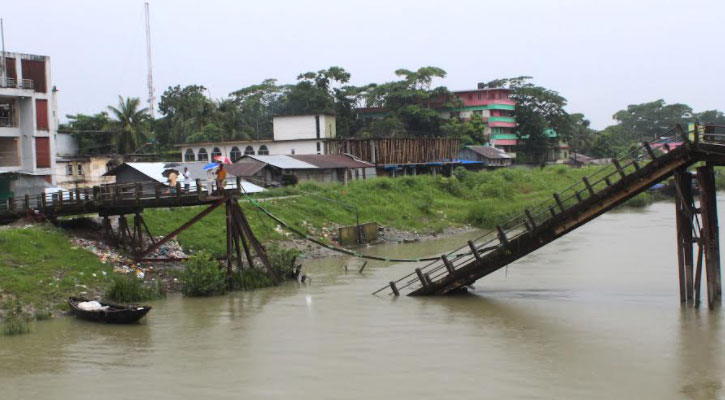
{"type": "Point", "coordinates": [710, 234]}
{"type": "Point", "coordinates": [685, 219]}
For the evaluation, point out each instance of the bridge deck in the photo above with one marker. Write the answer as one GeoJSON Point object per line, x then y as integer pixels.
{"type": "Point", "coordinates": [566, 211]}
{"type": "Point", "coordinates": [108, 200]}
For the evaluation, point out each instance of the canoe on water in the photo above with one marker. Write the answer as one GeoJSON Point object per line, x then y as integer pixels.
{"type": "Point", "coordinates": [105, 312]}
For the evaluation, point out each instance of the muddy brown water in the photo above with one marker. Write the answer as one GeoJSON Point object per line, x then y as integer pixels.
{"type": "Point", "coordinates": [594, 315]}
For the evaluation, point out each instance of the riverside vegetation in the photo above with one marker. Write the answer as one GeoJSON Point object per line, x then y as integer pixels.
{"type": "Point", "coordinates": [41, 267]}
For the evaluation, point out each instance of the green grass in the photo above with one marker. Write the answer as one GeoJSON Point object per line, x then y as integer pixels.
{"type": "Point", "coordinates": [422, 203]}
{"type": "Point", "coordinates": [129, 289]}
{"type": "Point", "coordinates": [40, 268]}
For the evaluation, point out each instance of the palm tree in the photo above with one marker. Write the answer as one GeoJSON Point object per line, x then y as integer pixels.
{"type": "Point", "coordinates": [130, 123]}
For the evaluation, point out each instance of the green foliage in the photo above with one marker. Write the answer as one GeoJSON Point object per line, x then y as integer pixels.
{"type": "Point", "coordinates": [15, 322]}
{"type": "Point", "coordinates": [130, 125]}
{"type": "Point", "coordinates": [131, 289]}
{"type": "Point", "coordinates": [91, 131]}
{"type": "Point", "coordinates": [40, 267]}
{"type": "Point", "coordinates": [282, 259]}
{"type": "Point", "coordinates": [202, 276]}
{"type": "Point", "coordinates": [42, 314]}
{"type": "Point", "coordinates": [648, 121]}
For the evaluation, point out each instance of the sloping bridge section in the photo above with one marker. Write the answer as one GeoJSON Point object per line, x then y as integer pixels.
{"type": "Point", "coordinates": [583, 202]}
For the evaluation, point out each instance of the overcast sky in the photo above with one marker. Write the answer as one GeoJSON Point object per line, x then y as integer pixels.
{"type": "Point", "coordinates": [600, 55]}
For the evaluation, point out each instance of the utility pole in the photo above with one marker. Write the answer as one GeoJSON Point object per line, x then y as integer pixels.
{"type": "Point", "coordinates": [148, 56]}
{"type": "Point", "coordinates": [4, 76]}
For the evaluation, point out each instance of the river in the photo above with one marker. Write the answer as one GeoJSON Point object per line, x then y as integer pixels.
{"type": "Point", "coordinates": [594, 315]}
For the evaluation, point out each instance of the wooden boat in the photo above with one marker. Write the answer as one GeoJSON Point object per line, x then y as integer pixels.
{"type": "Point", "coordinates": [111, 313]}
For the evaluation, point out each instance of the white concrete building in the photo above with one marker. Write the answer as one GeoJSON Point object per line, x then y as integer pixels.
{"type": "Point", "coordinates": [293, 134]}
{"type": "Point", "coordinates": [28, 123]}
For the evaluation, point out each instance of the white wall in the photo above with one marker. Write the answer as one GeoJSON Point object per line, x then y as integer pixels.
{"type": "Point", "coordinates": [275, 148]}
{"type": "Point", "coordinates": [65, 144]}
{"type": "Point", "coordinates": [295, 127]}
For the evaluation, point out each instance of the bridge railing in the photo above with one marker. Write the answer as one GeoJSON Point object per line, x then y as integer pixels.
{"type": "Point", "coordinates": [141, 193]}
{"type": "Point", "coordinates": [540, 213]}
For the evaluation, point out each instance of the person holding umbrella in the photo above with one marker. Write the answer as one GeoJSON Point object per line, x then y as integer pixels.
{"type": "Point", "coordinates": [221, 175]}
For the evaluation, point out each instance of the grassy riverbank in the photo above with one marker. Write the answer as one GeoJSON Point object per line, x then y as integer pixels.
{"type": "Point", "coordinates": [422, 203]}
{"type": "Point", "coordinates": [41, 267]}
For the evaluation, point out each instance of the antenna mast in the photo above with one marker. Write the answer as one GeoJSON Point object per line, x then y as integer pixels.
{"type": "Point", "coordinates": [4, 74]}
{"type": "Point", "coordinates": [148, 56]}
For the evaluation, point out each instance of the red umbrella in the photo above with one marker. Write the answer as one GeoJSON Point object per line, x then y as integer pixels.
{"type": "Point", "coordinates": [224, 160]}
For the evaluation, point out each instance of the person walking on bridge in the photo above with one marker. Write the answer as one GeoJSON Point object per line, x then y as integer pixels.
{"type": "Point", "coordinates": [221, 175]}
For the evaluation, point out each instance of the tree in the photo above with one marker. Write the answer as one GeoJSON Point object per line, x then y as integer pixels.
{"type": "Point", "coordinates": [582, 137]}
{"type": "Point", "coordinates": [648, 121]}
{"type": "Point", "coordinates": [713, 117]}
{"type": "Point", "coordinates": [185, 111]}
{"type": "Point", "coordinates": [91, 132]}
{"type": "Point", "coordinates": [130, 125]}
{"type": "Point", "coordinates": [470, 132]}
{"type": "Point", "coordinates": [411, 100]}
{"type": "Point", "coordinates": [256, 104]}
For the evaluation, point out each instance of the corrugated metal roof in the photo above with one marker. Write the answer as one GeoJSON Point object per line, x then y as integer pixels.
{"type": "Point", "coordinates": [245, 168]}
{"type": "Point", "coordinates": [489, 152]}
{"type": "Point", "coordinates": [283, 162]}
{"type": "Point", "coordinates": [332, 160]}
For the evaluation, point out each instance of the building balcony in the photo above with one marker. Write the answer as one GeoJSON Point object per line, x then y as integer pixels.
{"type": "Point", "coordinates": [502, 119]}
{"type": "Point", "coordinates": [13, 83]}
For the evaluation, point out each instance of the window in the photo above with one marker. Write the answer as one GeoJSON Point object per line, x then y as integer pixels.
{"type": "Point", "coordinates": [42, 152]}
{"type": "Point", "coordinates": [41, 114]}
{"type": "Point", "coordinates": [235, 154]}
{"type": "Point", "coordinates": [263, 151]}
{"type": "Point", "coordinates": [80, 169]}
{"type": "Point", "coordinates": [215, 153]}
{"type": "Point", "coordinates": [249, 151]}
{"type": "Point", "coordinates": [203, 155]}
{"type": "Point", "coordinates": [189, 155]}
{"type": "Point", "coordinates": [35, 71]}
{"type": "Point", "coordinates": [318, 147]}
{"type": "Point", "coordinates": [69, 169]}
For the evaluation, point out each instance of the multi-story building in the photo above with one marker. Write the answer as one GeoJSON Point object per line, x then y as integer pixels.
{"type": "Point", "coordinates": [293, 134]}
{"type": "Point", "coordinates": [28, 122]}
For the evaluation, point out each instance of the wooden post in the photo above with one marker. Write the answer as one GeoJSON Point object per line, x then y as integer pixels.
{"type": "Point", "coordinates": [199, 192]}
{"type": "Point", "coordinates": [394, 288]}
{"type": "Point", "coordinates": [684, 216]}
{"type": "Point", "coordinates": [710, 236]}
{"type": "Point", "coordinates": [26, 204]}
{"type": "Point", "coordinates": [558, 202]}
{"type": "Point", "coordinates": [552, 211]}
{"type": "Point", "coordinates": [138, 190]}
{"type": "Point", "coordinates": [11, 204]}
{"type": "Point", "coordinates": [635, 164]}
{"type": "Point", "coordinates": [474, 251]}
{"type": "Point", "coordinates": [448, 264]}
{"type": "Point", "coordinates": [178, 191]}
{"type": "Point", "coordinates": [618, 167]}
{"type": "Point", "coordinates": [649, 151]}
{"type": "Point", "coordinates": [157, 191]}
{"type": "Point", "coordinates": [502, 235]}
{"type": "Point", "coordinates": [607, 181]}
{"type": "Point", "coordinates": [422, 279]}
{"type": "Point", "coordinates": [530, 218]}
{"type": "Point", "coordinates": [239, 185]}
{"type": "Point", "coordinates": [578, 196]}
{"type": "Point", "coordinates": [588, 185]}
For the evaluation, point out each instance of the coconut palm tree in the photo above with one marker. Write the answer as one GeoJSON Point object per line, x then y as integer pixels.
{"type": "Point", "coordinates": [130, 123]}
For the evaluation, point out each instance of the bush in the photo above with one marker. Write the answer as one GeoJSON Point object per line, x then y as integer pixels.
{"type": "Point", "coordinates": [42, 314]}
{"type": "Point", "coordinates": [131, 289]}
{"type": "Point", "coordinates": [640, 200]}
{"type": "Point", "coordinates": [202, 276]}
{"type": "Point", "coordinates": [15, 326]}
{"type": "Point", "coordinates": [15, 322]}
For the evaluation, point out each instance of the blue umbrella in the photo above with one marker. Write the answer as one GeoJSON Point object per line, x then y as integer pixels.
{"type": "Point", "coordinates": [210, 166]}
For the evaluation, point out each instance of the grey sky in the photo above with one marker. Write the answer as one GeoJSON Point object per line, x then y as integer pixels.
{"type": "Point", "coordinates": [600, 55]}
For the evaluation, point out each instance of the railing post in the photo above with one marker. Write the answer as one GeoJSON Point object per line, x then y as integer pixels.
{"type": "Point", "coordinates": [11, 204]}
{"type": "Point", "coordinates": [578, 196]}
{"type": "Point", "coordinates": [502, 235]}
{"type": "Point", "coordinates": [588, 185]}
{"type": "Point", "coordinates": [96, 192]}
{"type": "Point", "coordinates": [27, 202]}
{"type": "Point", "coordinates": [157, 191]}
{"type": "Point", "coordinates": [607, 181]}
{"type": "Point", "coordinates": [649, 150]}
{"type": "Point", "coordinates": [558, 202]}
{"type": "Point", "coordinates": [178, 190]}
{"type": "Point", "coordinates": [618, 167]}
{"type": "Point", "coordinates": [138, 189]}
{"type": "Point", "coordinates": [636, 165]}
{"type": "Point", "coordinates": [530, 218]}
{"type": "Point", "coordinates": [474, 251]}
{"type": "Point", "coordinates": [552, 211]}
{"type": "Point", "coordinates": [394, 288]}
{"type": "Point", "coordinates": [198, 189]}
{"type": "Point", "coordinates": [448, 264]}
{"type": "Point", "coordinates": [239, 185]}
{"type": "Point", "coordinates": [421, 277]}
